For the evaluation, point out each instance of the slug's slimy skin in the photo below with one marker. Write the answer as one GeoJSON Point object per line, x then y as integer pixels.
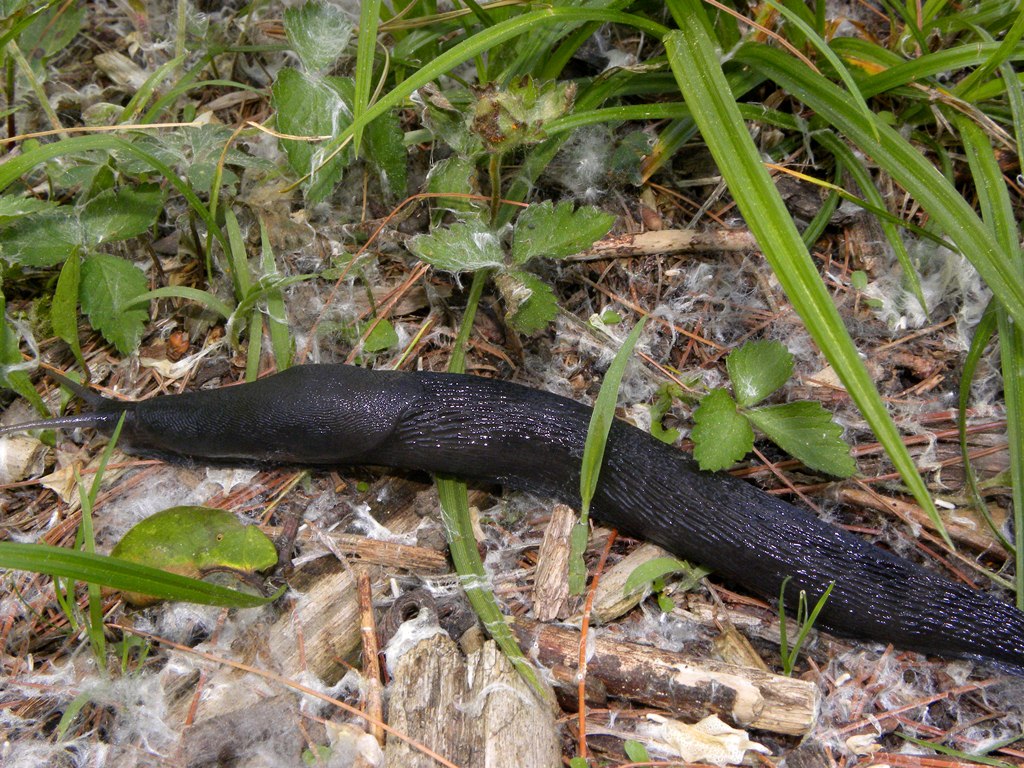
{"type": "Point", "coordinates": [480, 429]}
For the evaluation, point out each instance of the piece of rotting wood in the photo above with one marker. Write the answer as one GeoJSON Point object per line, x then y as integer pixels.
{"type": "Point", "coordinates": [668, 241]}
{"type": "Point", "coordinates": [476, 712]}
{"type": "Point", "coordinates": [551, 578]}
{"type": "Point", "coordinates": [690, 688]}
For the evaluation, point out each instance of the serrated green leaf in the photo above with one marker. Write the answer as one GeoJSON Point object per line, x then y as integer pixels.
{"type": "Point", "coordinates": [530, 303]}
{"type": "Point", "coordinates": [385, 149]}
{"type": "Point", "coordinates": [805, 430]}
{"type": "Point", "coordinates": [557, 231]}
{"type": "Point", "coordinates": [108, 283]}
{"type": "Point", "coordinates": [757, 369]}
{"type": "Point", "coordinates": [466, 246]}
{"type": "Point", "coordinates": [312, 106]}
{"type": "Point", "coordinates": [318, 33]}
{"type": "Point", "coordinates": [117, 214]}
{"type": "Point", "coordinates": [382, 337]}
{"type": "Point", "coordinates": [64, 309]}
{"type": "Point", "coordinates": [721, 436]}
{"type": "Point", "coordinates": [41, 240]}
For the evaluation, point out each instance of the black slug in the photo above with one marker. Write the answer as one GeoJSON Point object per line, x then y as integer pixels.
{"type": "Point", "coordinates": [480, 429]}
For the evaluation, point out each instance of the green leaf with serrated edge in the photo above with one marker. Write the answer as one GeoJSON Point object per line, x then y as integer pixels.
{"type": "Point", "coordinates": [530, 303]}
{"type": "Point", "coordinates": [312, 106]}
{"type": "Point", "coordinates": [107, 283]}
{"type": "Point", "coordinates": [806, 431]}
{"type": "Point", "coordinates": [647, 572]}
{"type": "Point", "coordinates": [557, 231]}
{"type": "Point", "coordinates": [41, 240]}
{"type": "Point", "coordinates": [721, 436]}
{"type": "Point", "coordinates": [318, 33]}
{"type": "Point", "coordinates": [757, 369]}
{"type": "Point", "coordinates": [117, 214]}
{"type": "Point", "coordinates": [465, 246]}
{"type": "Point", "coordinates": [382, 337]}
{"type": "Point", "coordinates": [64, 309]}
{"type": "Point", "coordinates": [385, 149]}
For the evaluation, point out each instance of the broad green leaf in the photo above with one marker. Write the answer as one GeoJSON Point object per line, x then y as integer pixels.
{"type": "Point", "coordinates": [13, 207]}
{"type": "Point", "coordinates": [385, 149]}
{"type": "Point", "coordinates": [465, 246]}
{"type": "Point", "coordinates": [453, 174]}
{"type": "Point", "coordinates": [194, 542]}
{"type": "Point", "coordinates": [636, 751]}
{"type": "Point", "coordinates": [41, 240]}
{"type": "Point", "coordinates": [530, 303]}
{"type": "Point", "coordinates": [757, 369]}
{"type": "Point", "coordinates": [64, 309]}
{"type": "Point", "coordinates": [557, 231]}
{"type": "Point", "coordinates": [117, 214]}
{"type": "Point", "coordinates": [312, 106]}
{"type": "Point", "coordinates": [721, 435]}
{"type": "Point", "coordinates": [318, 33]}
{"type": "Point", "coordinates": [805, 430]}
{"type": "Point", "coordinates": [107, 284]}
{"type": "Point", "coordinates": [382, 337]}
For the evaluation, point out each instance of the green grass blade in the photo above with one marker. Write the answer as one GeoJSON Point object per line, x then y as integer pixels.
{"type": "Point", "coordinates": [908, 167]}
{"type": "Point", "coordinates": [834, 61]}
{"type": "Point", "coordinates": [695, 64]}
{"type": "Point", "coordinates": [369, 19]}
{"type": "Point", "coordinates": [120, 574]}
{"type": "Point", "coordinates": [602, 418]}
{"type": "Point", "coordinates": [998, 211]}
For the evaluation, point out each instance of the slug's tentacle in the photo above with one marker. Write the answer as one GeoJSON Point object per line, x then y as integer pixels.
{"type": "Point", "coordinates": [530, 440]}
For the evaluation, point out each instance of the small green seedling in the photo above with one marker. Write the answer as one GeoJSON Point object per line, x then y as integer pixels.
{"type": "Point", "coordinates": [723, 423]}
{"type": "Point", "coordinates": [195, 542]}
{"type": "Point", "coordinates": [805, 621]}
{"type": "Point", "coordinates": [652, 574]}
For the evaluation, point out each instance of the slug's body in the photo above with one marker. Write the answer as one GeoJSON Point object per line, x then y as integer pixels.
{"type": "Point", "coordinates": [464, 426]}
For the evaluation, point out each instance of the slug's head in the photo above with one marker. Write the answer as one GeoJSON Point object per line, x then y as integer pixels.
{"type": "Point", "coordinates": [102, 414]}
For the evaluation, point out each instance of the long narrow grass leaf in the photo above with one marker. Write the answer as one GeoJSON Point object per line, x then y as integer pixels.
{"type": "Point", "coordinates": [369, 19]}
{"type": "Point", "coordinates": [998, 212]}
{"type": "Point", "coordinates": [120, 574]}
{"type": "Point", "coordinates": [695, 65]}
{"type": "Point", "coordinates": [908, 167]}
